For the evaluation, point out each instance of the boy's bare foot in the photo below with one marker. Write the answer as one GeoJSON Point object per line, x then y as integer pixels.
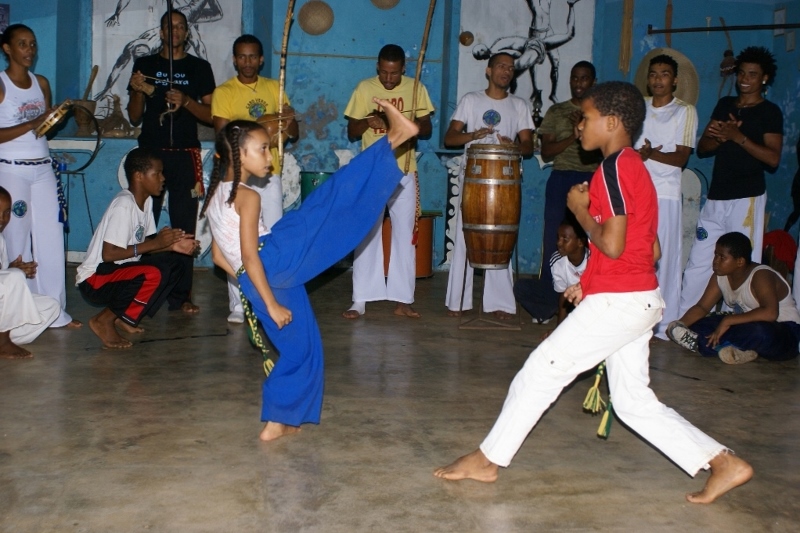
{"type": "Point", "coordinates": [73, 324]}
{"type": "Point", "coordinates": [472, 466]}
{"type": "Point", "coordinates": [401, 128]}
{"type": "Point", "coordinates": [102, 324]}
{"type": "Point", "coordinates": [9, 350]}
{"type": "Point", "coordinates": [727, 472]}
{"type": "Point", "coordinates": [351, 314]}
{"type": "Point", "coordinates": [405, 310]}
{"type": "Point", "coordinates": [502, 315]}
{"type": "Point", "coordinates": [189, 307]}
{"type": "Point", "coordinates": [275, 430]}
{"type": "Point", "coordinates": [127, 328]}
{"type": "Point", "coordinates": [454, 313]}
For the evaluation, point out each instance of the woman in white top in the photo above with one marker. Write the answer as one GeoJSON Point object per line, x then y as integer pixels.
{"type": "Point", "coordinates": [273, 267]}
{"type": "Point", "coordinates": [35, 232]}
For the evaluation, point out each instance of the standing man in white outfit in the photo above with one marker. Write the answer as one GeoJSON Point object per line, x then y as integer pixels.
{"type": "Point", "coordinates": [668, 137]}
{"type": "Point", "coordinates": [492, 116]}
{"type": "Point", "coordinates": [365, 121]}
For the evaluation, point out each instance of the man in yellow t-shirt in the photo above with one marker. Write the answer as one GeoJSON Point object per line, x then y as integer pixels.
{"type": "Point", "coordinates": [365, 121]}
{"type": "Point", "coordinates": [248, 96]}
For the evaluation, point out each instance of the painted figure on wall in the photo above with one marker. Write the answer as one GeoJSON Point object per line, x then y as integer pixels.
{"type": "Point", "coordinates": [530, 52]}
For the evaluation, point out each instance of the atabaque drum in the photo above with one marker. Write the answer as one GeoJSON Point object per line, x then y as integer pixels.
{"type": "Point", "coordinates": [490, 204]}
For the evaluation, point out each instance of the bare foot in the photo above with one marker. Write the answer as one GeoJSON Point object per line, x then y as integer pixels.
{"type": "Point", "coordinates": [9, 350]}
{"type": "Point", "coordinates": [502, 315]}
{"type": "Point", "coordinates": [189, 307]}
{"type": "Point", "coordinates": [727, 472]}
{"type": "Point", "coordinates": [472, 466]}
{"type": "Point", "coordinates": [405, 310]}
{"type": "Point", "coordinates": [351, 314]}
{"type": "Point", "coordinates": [74, 324]}
{"type": "Point", "coordinates": [127, 328]}
{"type": "Point", "coordinates": [102, 325]}
{"type": "Point", "coordinates": [274, 430]}
{"type": "Point", "coordinates": [456, 313]}
{"type": "Point", "coordinates": [401, 128]}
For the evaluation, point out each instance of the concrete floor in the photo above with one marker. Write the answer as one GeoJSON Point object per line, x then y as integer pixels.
{"type": "Point", "coordinates": [163, 437]}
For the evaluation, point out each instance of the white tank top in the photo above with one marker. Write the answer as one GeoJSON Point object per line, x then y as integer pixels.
{"type": "Point", "coordinates": [18, 106]}
{"type": "Point", "coordinates": [742, 300]}
{"type": "Point", "coordinates": [224, 222]}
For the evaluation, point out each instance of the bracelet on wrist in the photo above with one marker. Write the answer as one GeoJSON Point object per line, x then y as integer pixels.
{"type": "Point", "coordinates": [135, 251]}
{"type": "Point", "coordinates": [744, 140]}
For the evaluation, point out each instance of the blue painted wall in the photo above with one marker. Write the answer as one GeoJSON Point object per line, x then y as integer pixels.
{"type": "Point", "coordinates": [322, 71]}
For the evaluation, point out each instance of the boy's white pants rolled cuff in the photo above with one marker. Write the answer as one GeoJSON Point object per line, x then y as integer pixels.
{"type": "Point", "coordinates": [616, 327]}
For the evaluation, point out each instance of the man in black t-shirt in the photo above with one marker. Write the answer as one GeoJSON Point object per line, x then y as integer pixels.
{"type": "Point", "coordinates": [174, 134]}
{"type": "Point", "coordinates": [745, 135]}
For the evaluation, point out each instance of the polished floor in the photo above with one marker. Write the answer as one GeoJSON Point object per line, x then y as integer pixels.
{"type": "Point", "coordinates": [163, 437]}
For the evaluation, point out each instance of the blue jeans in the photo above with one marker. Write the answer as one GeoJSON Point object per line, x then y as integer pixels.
{"type": "Point", "coordinates": [774, 341]}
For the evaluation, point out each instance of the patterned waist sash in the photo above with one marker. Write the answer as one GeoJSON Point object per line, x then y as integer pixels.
{"type": "Point", "coordinates": [252, 324]}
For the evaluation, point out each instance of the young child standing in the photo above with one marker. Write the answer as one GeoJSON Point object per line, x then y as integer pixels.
{"type": "Point", "coordinates": [619, 305]}
{"type": "Point", "coordinates": [122, 270]}
{"type": "Point", "coordinates": [23, 315]}
{"type": "Point", "coordinates": [273, 266]}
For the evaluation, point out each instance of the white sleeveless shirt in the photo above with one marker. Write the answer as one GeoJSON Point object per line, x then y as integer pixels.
{"type": "Point", "coordinates": [224, 222]}
{"type": "Point", "coordinates": [18, 106]}
{"type": "Point", "coordinates": [742, 300]}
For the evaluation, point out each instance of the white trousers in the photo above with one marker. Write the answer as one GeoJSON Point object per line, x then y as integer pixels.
{"type": "Point", "coordinates": [369, 282]}
{"type": "Point", "coordinates": [34, 231]}
{"type": "Point", "coordinates": [670, 266]}
{"type": "Point", "coordinates": [717, 218]}
{"type": "Point", "coordinates": [271, 192]}
{"type": "Point", "coordinates": [23, 314]}
{"type": "Point", "coordinates": [498, 285]}
{"type": "Point", "coordinates": [616, 327]}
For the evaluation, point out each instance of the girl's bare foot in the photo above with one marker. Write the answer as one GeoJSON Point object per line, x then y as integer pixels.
{"type": "Point", "coordinates": [351, 314]}
{"type": "Point", "coordinates": [472, 466]}
{"type": "Point", "coordinates": [456, 313]}
{"type": "Point", "coordinates": [401, 128]}
{"type": "Point", "coordinates": [405, 310]}
{"type": "Point", "coordinates": [9, 350]}
{"type": "Point", "coordinates": [275, 430]}
{"type": "Point", "coordinates": [502, 315]}
{"type": "Point", "coordinates": [727, 472]}
{"type": "Point", "coordinates": [127, 328]}
{"type": "Point", "coordinates": [102, 325]}
{"type": "Point", "coordinates": [73, 324]}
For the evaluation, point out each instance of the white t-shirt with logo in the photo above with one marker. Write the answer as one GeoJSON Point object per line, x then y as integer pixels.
{"type": "Point", "coordinates": [565, 274]}
{"type": "Point", "coordinates": [123, 224]}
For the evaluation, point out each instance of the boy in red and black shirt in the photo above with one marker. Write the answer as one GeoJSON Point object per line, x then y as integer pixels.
{"type": "Point", "coordinates": [619, 304]}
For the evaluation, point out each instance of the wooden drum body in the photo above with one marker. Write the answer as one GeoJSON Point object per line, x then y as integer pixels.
{"type": "Point", "coordinates": [490, 204]}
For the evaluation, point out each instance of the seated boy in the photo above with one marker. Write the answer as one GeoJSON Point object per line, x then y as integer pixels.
{"type": "Point", "coordinates": [566, 267]}
{"type": "Point", "coordinates": [122, 270]}
{"type": "Point", "coordinates": [765, 321]}
{"type": "Point", "coordinates": [23, 314]}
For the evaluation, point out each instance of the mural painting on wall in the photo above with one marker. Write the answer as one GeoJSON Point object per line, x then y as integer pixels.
{"type": "Point", "coordinates": [126, 30]}
{"type": "Point", "coordinates": [545, 37]}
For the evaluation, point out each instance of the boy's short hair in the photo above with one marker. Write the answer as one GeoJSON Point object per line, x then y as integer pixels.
{"type": "Point", "coordinates": [587, 65]}
{"type": "Point", "coordinates": [572, 222]}
{"type": "Point", "coordinates": [393, 54]}
{"type": "Point", "coordinates": [248, 39]}
{"type": "Point", "coordinates": [738, 245]}
{"type": "Point", "coordinates": [664, 59]}
{"type": "Point", "coordinates": [619, 99]}
{"type": "Point", "coordinates": [139, 160]}
{"type": "Point", "coordinates": [761, 57]}
{"type": "Point", "coordinates": [4, 192]}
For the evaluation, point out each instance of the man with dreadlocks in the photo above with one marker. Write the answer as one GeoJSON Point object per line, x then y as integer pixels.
{"type": "Point", "coordinates": [745, 135]}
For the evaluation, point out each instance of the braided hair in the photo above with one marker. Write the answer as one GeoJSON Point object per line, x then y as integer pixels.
{"type": "Point", "coordinates": [228, 144]}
